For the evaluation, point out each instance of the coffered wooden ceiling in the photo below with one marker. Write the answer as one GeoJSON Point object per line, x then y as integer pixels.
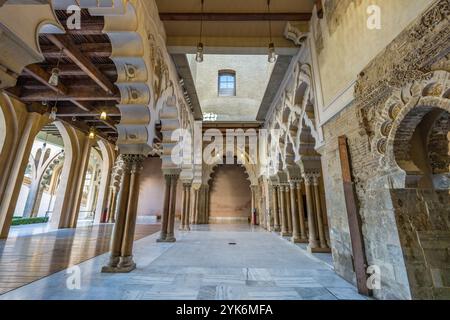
{"type": "Point", "coordinates": [230, 25]}
{"type": "Point", "coordinates": [86, 86]}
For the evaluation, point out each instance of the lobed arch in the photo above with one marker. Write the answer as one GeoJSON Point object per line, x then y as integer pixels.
{"type": "Point", "coordinates": [404, 110]}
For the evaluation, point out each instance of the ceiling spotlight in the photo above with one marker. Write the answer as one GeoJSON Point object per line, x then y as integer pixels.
{"type": "Point", "coordinates": [103, 115]}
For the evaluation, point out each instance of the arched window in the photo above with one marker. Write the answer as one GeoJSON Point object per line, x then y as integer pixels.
{"type": "Point", "coordinates": [227, 83]}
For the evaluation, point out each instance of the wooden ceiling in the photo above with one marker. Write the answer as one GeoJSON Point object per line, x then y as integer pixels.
{"type": "Point", "coordinates": [232, 24]}
{"type": "Point", "coordinates": [87, 76]}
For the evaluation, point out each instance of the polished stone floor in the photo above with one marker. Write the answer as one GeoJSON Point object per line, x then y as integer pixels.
{"type": "Point", "coordinates": [30, 253]}
{"type": "Point", "coordinates": [210, 262]}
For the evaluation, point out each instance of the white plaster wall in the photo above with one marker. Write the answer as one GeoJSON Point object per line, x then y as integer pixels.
{"type": "Point", "coordinates": [351, 46]}
{"type": "Point", "coordinates": [252, 76]}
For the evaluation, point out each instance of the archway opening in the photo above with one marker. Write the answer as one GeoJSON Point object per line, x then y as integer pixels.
{"type": "Point", "coordinates": [41, 179]}
{"type": "Point", "coordinates": [422, 206]}
{"type": "Point", "coordinates": [230, 195]}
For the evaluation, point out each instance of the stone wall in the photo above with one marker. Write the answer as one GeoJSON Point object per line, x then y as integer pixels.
{"type": "Point", "coordinates": [397, 85]}
{"type": "Point", "coordinates": [423, 220]}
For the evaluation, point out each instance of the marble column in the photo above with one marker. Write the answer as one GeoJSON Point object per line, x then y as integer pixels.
{"type": "Point", "coordinates": [287, 197]}
{"type": "Point", "coordinates": [121, 258]}
{"type": "Point", "coordinates": [296, 237]}
{"type": "Point", "coordinates": [320, 224]}
{"type": "Point", "coordinates": [253, 212]}
{"type": "Point", "coordinates": [301, 210]}
{"type": "Point", "coordinates": [173, 201]}
{"type": "Point", "coordinates": [313, 244]}
{"type": "Point", "coordinates": [186, 206]}
{"type": "Point", "coordinates": [283, 212]}
{"type": "Point", "coordinates": [168, 217]}
{"type": "Point", "coordinates": [276, 211]}
{"type": "Point", "coordinates": [195, 213]}
{"type": "Point", "coordinates": [166, 209]}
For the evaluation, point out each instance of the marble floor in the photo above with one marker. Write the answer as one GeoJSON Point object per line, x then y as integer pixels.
{"type": "Point", "coordinates": [211, 262]}
{"type": "Point", "coordinates": [30, 254]}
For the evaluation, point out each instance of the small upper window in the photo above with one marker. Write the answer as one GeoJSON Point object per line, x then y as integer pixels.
{"type": "Point", "coordinates": [227, 83]}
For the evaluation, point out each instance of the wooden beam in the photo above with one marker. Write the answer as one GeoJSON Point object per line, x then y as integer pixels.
{"type": "Point", "coordinates": [86, 94]}
{"type": "Point", "coordinates": [70, 50]}
{"type": "Point", "coordinates": [102, 50]}
{"type": "Point", "coordinates": [211, 16]}
{"type": "Point", "coordinates": [95, 112]}
{"type": "Point", "coordinates": [74, 70]}
{"type": "Point", "coordinates": [43, 76]}
{"type": "Point", "coordinates": [354, 219]}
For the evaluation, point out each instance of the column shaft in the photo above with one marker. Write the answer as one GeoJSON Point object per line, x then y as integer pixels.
{"type": "Point", "coordinates": [322, 240]}
{"type": "Point", "coordinates": [295, 214]}
{"type": "Point", "coordinates": [301, 212]}
{"type": "Point", "coordinates": [173, 199]}
{"type": "Point", "coordinates": [311, 214]}
{"type": "Point", "coordinates": [166, 208]}
{"type": "Point", "coordinates": [276, 214]}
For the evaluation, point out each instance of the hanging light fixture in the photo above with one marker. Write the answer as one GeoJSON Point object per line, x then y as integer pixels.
{"type": "Point", "coordinates": [199, 55]}
{"type": "Point", "coordinates": [92, 133]}
{"type": "Point", "coordinates": [52, 115]}
{"type": "Point", "coordinates": [103, 115]}
{"type": "Point", "coordinates": [54, 78]}
{"type": "Point", "coordinates": [272, 57]}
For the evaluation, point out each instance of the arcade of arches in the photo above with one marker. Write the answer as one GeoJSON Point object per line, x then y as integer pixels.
{"type": "Point", "coordinates": [354, 172]}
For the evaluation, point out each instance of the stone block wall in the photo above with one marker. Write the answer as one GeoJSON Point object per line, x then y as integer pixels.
{"type": "Point", "coordinates": [379, 228]}
{"type": "Point", "coordinates": [423, 220]}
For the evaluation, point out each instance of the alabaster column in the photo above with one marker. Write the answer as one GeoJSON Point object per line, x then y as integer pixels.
{"type": "Point", "coordinates": [112, 205]}
{"type": "Point", "coordinates": [253, 212]}
{"type": "Point", "coordinates": [173, 200]}
{"type": "Point", "coordinates": [121, 215]}
{"type": "Point", "coordinates": [276, 212]}
{"type": "Point", "coordinates": [296, 237]}
{"type": "Point", "coordinates": [287, 203]}
{"type": "Point", "coordinates": [284, 218]}
{"type": "Point", "coordinates": [301, 210]}
{"type": "Point", "coordinates": [166, 209]}
{"type": "Point", "coordinates": [313, 244]}
{"type": "Point", "coordinates": [320, 225]}
{"type": "Point", "coordinates": [126, 263]}
{"type": "Point", "coordinates": [186, 206]}
{"type": "Point", "coordinates": [195, 213]}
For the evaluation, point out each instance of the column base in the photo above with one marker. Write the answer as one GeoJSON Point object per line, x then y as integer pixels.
{"type": "Point", "coordinates": [286, 234]}
{"type": "Point", "coordinates": [125, 265]}
{"type": "Point", "coordinates": [185, 228]}
{"type": "Point", "coordinates": [167, 239]}
{"type": "Point", "coordinates": [318, 250]}
{"type": "Point", "coordinates": [298, 240]}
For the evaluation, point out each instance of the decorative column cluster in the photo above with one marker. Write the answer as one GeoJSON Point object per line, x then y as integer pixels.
{"type": "Point", "coordinates": [170, 200]}
{"type": "Point", "coordinates": [121, 259]}
{"type": "Point", "coordinates": [254, 213]}
{"type": "Point", "coordinates": [316, 228]}
{"type": "Point", "coordinates": [185, 213]}
{"type": "Point", "coordinates": [275, 208]}
{"type": "Point", "coordinates": [200, 208]}
{"type": "Point", "coordinates": [297, 211]}
{"type": "Point", "coordinates": [116, 179]}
